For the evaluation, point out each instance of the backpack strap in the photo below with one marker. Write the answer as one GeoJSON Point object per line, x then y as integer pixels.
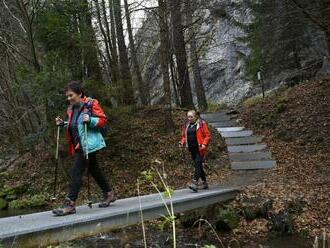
{"type": "Point", "coordinates": [89, 106]}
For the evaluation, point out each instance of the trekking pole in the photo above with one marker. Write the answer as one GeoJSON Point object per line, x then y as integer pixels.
{"type": "Point", "coordinates": [89, 202]}
{"type": "Point", "coordinates": [56, 159]}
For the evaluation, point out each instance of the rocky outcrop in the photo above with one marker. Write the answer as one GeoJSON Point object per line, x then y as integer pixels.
{"type": "Point", "coordinates": [224, 51]}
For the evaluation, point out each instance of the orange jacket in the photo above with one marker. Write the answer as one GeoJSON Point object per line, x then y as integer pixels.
{"type": "Point", "coordinates": [203, 135]}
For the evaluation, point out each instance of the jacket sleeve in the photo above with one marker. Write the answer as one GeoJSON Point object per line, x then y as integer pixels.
{"type": "Point", "coordinates": [98, 118]}
{"type": "Point", "coordinates": [207, 134]}
{"type": "Point", "coordinates": [183, 135]}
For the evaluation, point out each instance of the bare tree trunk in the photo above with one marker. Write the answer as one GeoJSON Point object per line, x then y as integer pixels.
{"type": "Point", "coordinates": [114, 44]}
{"type": "Point", "coordinates": [180, 54]}
{"type": "Point", "coordinates": [164, 61]}
{"type": "Point", "coordinates": [105, 37]}
{"type": "Point", "coordinates": [199, 88]}
{"type": "Point", "coordinates": [28, 24]}
{"type": "Point", "coordinates": [327, 34]}
{"type": "Point", "coordinates": [125, 74]}
{"type": "Point", "coordinates": [90, 58]}
{"type": "Point", "coordinates": [174, 82]}
{"type": "Point", "coordinates": [114, 58]}
{"type": "Point", "coordinates": [143, 89]}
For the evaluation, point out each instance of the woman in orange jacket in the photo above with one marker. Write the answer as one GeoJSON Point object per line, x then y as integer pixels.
{"type": "Point", "coordinates": [196, 137]}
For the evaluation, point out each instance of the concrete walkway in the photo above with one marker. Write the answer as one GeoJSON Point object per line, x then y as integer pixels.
{"type": "Point", "coordinates": [246, 150]}
{"type": "Point", "coordinates": [42, 229]}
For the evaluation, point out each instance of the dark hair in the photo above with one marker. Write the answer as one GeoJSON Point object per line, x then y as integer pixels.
{"type": "Point", "coordinates": [75, 87]}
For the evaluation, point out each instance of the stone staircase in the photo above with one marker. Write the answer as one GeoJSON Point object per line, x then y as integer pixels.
{"type": "Point", "coordinates": [246, 150]}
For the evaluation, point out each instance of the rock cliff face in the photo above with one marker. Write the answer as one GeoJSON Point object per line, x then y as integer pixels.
{"type": "Point", "coordinates": [223, 53]}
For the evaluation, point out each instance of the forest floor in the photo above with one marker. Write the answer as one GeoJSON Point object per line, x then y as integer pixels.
{"type": "Point", "coordinates": [296, 125]}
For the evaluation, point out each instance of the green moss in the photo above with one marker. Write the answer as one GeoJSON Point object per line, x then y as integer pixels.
{"type": "Point", "coordinates": [283, 99]}
{"type": "Point", "coordinates": [9, 190]}
{"type": "Point", "coordinates": [215, 107]}
{"type": "Point", "coordinates": [33, 202]}
{"type": "Point", "coordinates": [227, 219]}
{"type": "Point", "coordinates": [3, 204]}
{"type": "Point", "coordinates": [252, 101]}
{"type": "Point", "coordinates": [189, 218]}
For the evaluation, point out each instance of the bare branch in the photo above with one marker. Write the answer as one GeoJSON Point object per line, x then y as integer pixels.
{"type": "Point", "coordinates": [11, 13]}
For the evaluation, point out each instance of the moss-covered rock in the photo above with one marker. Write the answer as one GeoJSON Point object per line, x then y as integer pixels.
{"type": "Point", "coordinates": [189, 218]}
{"type": "Point", "coordinates": [11, 198]}
{"type": "Point", "coordinates": [255, 207]}
{"type": "Point", "coordinates": [227, 219]}
{"type": "Point", "coordinates": [3, 204]}
{"type": "Point", "coordinates": [283, 223]}
{"type": "Point", "coordinates": [32, 202]}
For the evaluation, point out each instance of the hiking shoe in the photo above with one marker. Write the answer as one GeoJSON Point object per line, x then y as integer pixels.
{"type": "Point", "coordinates": [67, 208]}
{"type": "Point", "coordinates": [193, 186]}
{"type": "Point", "coordinates": [107, 199]}
{"type": "Point", "coordinates": [203, 185]}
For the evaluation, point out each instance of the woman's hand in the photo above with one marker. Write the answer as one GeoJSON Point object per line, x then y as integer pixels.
{"type": "Point", "coordinates": [86, 118]}
{"type": "Point", "coordinates": [58, 121]}
{"type": "Point", "coordinates": [203, 147]}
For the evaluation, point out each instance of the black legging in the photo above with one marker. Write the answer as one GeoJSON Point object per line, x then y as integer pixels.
{"type": "Point", "coordinates": [198, 162]}
{"type": "Point", "coordinates": [77, 171]}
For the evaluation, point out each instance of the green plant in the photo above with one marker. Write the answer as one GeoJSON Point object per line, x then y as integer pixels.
{"type": "Point", "coordinates": [200, 221]}
{"type": "Point", "coordinates": [35, 201]}
{"type": "Point", "coordinates": [141, 215]}
{"type": "Point", "coordinates": [280, 108]}
{"type": "Point", "coordinates": [149, 176]}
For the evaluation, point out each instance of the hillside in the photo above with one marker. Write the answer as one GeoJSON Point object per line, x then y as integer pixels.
{"type": "Point", "coordinates": [296, 126]}
{"type": "Point", "coordinates": [136, 139]}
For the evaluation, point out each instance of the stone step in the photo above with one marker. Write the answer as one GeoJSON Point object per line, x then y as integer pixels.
{"type": "Point", "coordinates": [218, 118]}
{"type": "Point", "coordinates": [244, 133]}
{"type": "Point", "coordinates": [246, 148]}
{"type": "Point", "coordinates": [229, 129]}
{"type": "Point", "coordinates": [252, 156]}
{"type": "Point", "coordinates": [218, 124]}
{"type": "Point", "coordinates": [253, 165]}
{"type": "Point", "coordinates": [243, 140]}
{"type": "Point", "coordinates": [213, 115]}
